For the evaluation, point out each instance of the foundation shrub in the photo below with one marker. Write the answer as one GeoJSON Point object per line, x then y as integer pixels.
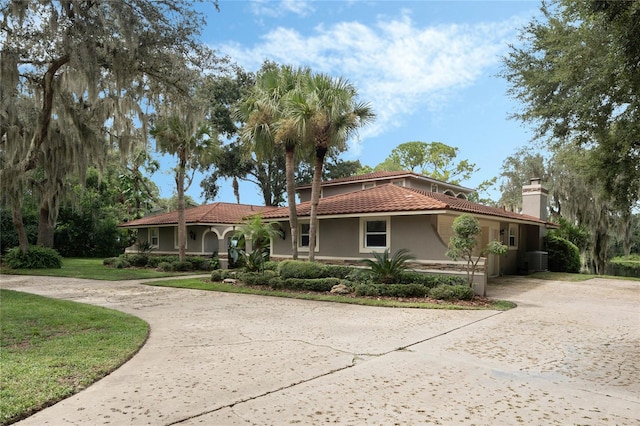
{"type": "Point", "coordinates": [391, 290]}
{"type": "Point", "coordinates": [165, 266]}
{"type": "Point", "coordinates": [276, 283]}
{"type": "Point", "coordinates": [564, 256]}
{"type": "Point", "coordinates": [429, 280]}
{"type": "Point", "coordinates": [360, 276]}
{"type": "Point", "coordinates": [256, 278]}
{"type": "Point", "coordinates": [153, 261]}
{"type": "Point", "coordinates": [451, 292]}
{"type": "Point", "coordinates": [36, 257]}
{"type": "Point", "coordinates": [313, 284]}
{"type": "Point", "coordinates": [199, 263]}
{"type": "Point", "coordinates": [270, 265]}
{"type": "Point", "coordinates": [300, 269]}
{"type": "Point", "coordinates": [121, 263]}
{"type": "Point", "coordinates": [183, 266]}
{"type": "Point", "coordinates": [138, 260]}
{"type": "Point", "coordinates": [336, 271]}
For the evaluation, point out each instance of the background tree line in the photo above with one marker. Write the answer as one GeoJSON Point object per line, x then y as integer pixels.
{"type": "Point", "coordinates": [86, 87]}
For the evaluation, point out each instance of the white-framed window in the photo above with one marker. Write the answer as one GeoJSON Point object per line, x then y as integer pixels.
{"type": "Point", "coordinates": [303, 236]}
{"type": "Point", "coordinates": [154, 237]}
{"type": "Point", "coordinates": [368, 185]}
{"type": "Point", "coordinates": [176, 241]}
{"type": "Point", "coordinates": [399, 182]}
{"type": "Point", "coordinates": [375, 234]}
{"type": "Point", "coordinates": [513, 236]}
{"type": "Point", "coordinates": [434, 187]}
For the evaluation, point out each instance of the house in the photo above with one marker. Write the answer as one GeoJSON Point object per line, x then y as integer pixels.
{"type": "Point", "coordinates": [393, 210]}
{"type": "Point", "coordinates": [369, 213]}
{"type": "Point", "coordinates": [208, 229]}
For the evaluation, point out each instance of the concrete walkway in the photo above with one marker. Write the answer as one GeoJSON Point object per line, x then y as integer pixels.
{"type": "Point", "coordinates": [569, 354]}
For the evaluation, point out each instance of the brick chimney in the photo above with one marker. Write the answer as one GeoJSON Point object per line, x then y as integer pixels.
{"type": "Point", "coordinates": [534, 199]}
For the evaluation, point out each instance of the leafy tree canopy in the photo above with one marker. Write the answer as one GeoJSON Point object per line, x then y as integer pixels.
{"type": "Point", "coordinates": [576, 72]}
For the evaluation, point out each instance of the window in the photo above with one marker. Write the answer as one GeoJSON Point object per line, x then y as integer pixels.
{"type": "Point", "coordinates": [513, 236]}
{"type": "Point", "coordinates": [374, 234]}
{"type": "Point", "coordinates": [303, 236]}
{"type": "Point", "coordinates": [368, 185]}
{"type": "Point", "coordinates": [154, 237]}
{"type": "Point", "coordinates": [399, 182]}
{"type": "Point", "coordinates": [434, 187]}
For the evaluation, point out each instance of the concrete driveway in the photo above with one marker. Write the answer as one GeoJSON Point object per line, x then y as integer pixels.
{"type": "Point", "coordinates": [569, 354]}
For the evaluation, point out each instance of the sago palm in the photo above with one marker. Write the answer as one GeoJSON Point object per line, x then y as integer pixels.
{"type": "Point", "coordinates": [387, 269]}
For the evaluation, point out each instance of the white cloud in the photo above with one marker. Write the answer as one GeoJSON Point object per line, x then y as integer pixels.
{"type": "Point", "coordinates": [396, 65]}
{"type": "Point", "coordinates": [274, 9]}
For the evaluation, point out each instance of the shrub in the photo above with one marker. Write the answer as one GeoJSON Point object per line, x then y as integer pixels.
{"type": "Point", "coordinates": [199, 263]}
{"type": "Point", "coordinates": [312, 284]}
{"type": "Point", "coordinates": [360, 276]}
{"type": "Point", "coordinates": [391, 290]}
{"type": "Point", "coordinates": [166, 266]}
{"type": "Point", "coordinates": [624, 266]}
{"type": "Point", "coordinates": [139, 260]}
{"type": "Point", "coordinates": [121, 263]}
{"type": "Point", "coordinates": [153, 261]}
{"type": "Point", "coordinates": [387, 269]}
{"type": "Point", "coordinates": [109, 261]}
{"type": "Point", "coordinates": [36, 257]}
{"type": "Point", "coordinates": [451, 292]}
{"type": "Point", "coordinates": [256, 278]}
{"type": "Point", "coordinates": [300, 269]}
{"type": "Point", "coordinates": [564, 256]}
{"type": "Point", "coordinates": [430, 280]}
{"type": "Point", "coordinates": [337, 271]}
{"type": "Point", "coordinates": [270, 265]}
{"type": "Point", "coordinates": [182, 266]}
{"type": "Point", "coordinates": [216, 275]}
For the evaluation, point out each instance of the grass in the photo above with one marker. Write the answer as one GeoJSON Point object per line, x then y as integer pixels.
{"type": "Point", "coordinates": [202, 284]}
{"type": "Point", "coordinates": [52, 349]}
{"type": "Point", "coordinates": [95, 270]}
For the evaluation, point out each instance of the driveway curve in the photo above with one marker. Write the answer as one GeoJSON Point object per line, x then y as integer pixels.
{"type": "Point", "coordinates": [567, 355]}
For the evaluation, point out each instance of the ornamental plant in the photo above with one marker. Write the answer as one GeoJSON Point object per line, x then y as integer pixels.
{"type": "Point", "coordinates": [387, 269]}
{"type": "Point", "coordinates": [464, 243]}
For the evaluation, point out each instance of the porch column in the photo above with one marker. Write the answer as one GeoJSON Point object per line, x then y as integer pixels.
{"type": "Point", "coordinates": [223, 254]}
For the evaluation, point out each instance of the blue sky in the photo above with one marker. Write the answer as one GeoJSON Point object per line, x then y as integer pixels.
{"type": "Point", "coordinates": [428, 68]}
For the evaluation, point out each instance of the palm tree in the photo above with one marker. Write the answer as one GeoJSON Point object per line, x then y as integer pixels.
{"type": "Point", "coordinates": [267, 127]}
{"type": "Point", "coordinates": [184, 136]}
{"type": "Point", "coordinates": [326, 112]}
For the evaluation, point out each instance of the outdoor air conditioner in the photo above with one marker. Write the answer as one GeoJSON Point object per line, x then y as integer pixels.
{"type": "Point", "coordinates": [538, 261]}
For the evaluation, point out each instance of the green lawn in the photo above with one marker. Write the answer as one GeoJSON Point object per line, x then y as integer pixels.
{"type": "Point", "coordinates": [51, 349]}
{"type": "Point", "coordinates": [205, 284]}
{"type": "Point", "coordinates": [94, 269]}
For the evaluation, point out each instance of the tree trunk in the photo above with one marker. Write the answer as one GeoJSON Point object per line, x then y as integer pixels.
{"type": "Point", "coordinates": [321, 152]}
{"type": "Point", "coordinates": [291, 200]}
{"type": "Point", "coordinates": [236, 189]}
{"type": "Point", "coordinates": [18, 223]}
{"type": "Point", "coordinates": [45, 227]}
{"type": "Point", "coordinates": [182, 223]}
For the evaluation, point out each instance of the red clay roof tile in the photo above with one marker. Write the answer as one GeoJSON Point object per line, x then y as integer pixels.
{"type": "Point", "coordinates": [394, 198]}
{"type": "Point", "coordinates": [227, 213]}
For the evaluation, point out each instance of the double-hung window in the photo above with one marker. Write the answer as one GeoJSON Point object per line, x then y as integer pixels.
{"type": "Point", "coordinates": [513, 236]}
{"type": "Point", "coordinates": [303, 236]}
{"type": "Point", "coordinates": [154, 237]}
{"type": "Point", "coordinates": [374, 234]}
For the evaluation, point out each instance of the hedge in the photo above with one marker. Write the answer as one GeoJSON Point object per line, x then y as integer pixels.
{"type": "Point", "coordinates": [624, 266]}
{"type": "Point", "coordinates": [36, 257]}
{"type": "Point", "coordinates": [307, 284]}
{"type": "Point", "coordinates": [300, 269]}
{"type": "Point", "coordinates": [451, 292]}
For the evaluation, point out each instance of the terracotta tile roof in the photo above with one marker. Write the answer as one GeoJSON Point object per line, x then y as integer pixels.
{"type": "Point", "coordinates": [209, 214]}
{"type": "Point", "coordinates": [378, 176]}
{"type": "Point", "coordinates": [394, 198]}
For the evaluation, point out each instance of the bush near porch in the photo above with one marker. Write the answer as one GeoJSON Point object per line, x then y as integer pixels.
{"type": "Point", "coordinates": [318, 277]}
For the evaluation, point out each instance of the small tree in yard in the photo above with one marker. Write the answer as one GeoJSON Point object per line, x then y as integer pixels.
{"type": "Point", "coordinates": [463, 243]}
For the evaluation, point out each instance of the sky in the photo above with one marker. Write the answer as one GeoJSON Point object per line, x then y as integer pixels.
{"type": "Point", "coordinates": [428, 69]}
